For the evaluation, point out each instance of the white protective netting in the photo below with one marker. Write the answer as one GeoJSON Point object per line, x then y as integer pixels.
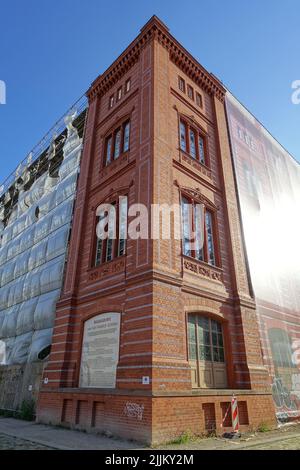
{"type": "Point", "coordinates": [268, 181]}
{"type": "Point", "coordinates": [33, 248]}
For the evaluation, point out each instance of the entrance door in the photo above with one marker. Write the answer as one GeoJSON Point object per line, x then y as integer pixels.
{"type": "Point", "coordinates": [206, 352]}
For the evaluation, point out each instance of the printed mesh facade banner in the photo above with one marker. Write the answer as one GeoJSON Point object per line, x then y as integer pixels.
{"type": "Point", "coordinates": [268, 181]}
{"type": "Point", "coordinates": [35, 220]}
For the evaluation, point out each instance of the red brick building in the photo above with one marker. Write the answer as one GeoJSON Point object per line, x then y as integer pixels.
{"type": "Point", "coordinates": [156, 132]}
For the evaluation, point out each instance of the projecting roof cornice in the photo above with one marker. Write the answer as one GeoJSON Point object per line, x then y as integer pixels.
{"type": "Point", "coordinates": [155, 29]}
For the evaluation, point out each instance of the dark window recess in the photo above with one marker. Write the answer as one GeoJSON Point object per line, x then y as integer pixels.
{"type": "Point", "coordinates": [243, 412]}
{"type": "Point", "coordinates": [209, 417]}
{"type": "Point", "coordinates": [226, 414]}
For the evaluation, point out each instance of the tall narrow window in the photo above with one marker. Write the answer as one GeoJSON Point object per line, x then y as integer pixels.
{"type": "Point", "coordinates": [210, 238]}
{"type": "Point", "coordinates": [108, 150]}
{"type": "Point", "coordinates": [122, 226]}
{"type": "Point", "coordinates": [201, 149]}
{"type": "Point", "coordinates": [193, 143]}
{"type": "Point", "coordinates": [199, 101]}
{"type": "Point", "coordinates": [111, 101]}
{"type": "Point", "coordinates": [183, 136]}
{"type": "Point", "coordinates": [199, 225]}
{"type": "Point", "coordinates": [116, 228]}
{"type": "Point", "coordinates": [190, 91]}
{"type": "Point", "coordinates": [198, 231]}
{"type": "Point", "coordinates": [99, 245]}
{"type": "Point", "coordinates": [127, 85]}
{"type": "Point", "coordinates": [126, 136]}
{"type": "Point", "coordinates": [181, 84]}
{"type": "Point", "coordinates": [119, 94]}
{"type": "Point", "coordinates": [187, 226]}
{"type": "Point", "coordinates": [117, 148]}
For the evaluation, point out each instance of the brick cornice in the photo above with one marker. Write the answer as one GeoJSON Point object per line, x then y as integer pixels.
{"type": "Point", "coordinates": [155, 29]}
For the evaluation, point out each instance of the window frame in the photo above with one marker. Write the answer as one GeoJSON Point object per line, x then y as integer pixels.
{"type": "Point", "coordinates": [199, 99]}
{"type": "Point", "coordinates": [119, 93]}
{"type": "Point", "coordinates": [127, 86]}
{"type": "Point", "coordinates": [205, 249]}
{"type": "Point", "coordinates": [111, 101]}
{"type": "Point", "coordinates": [181, 81]}
{"type": "Point", "coordinates": [198, 134]}
{"type": "Point", "coordinates": [190, 92]}
{"type": "Point", "coordinates": [111, 134]}
{"type": "Point", "coordinates": [115, 242]}
{"type": "Point", "coordinates": [198, 343]}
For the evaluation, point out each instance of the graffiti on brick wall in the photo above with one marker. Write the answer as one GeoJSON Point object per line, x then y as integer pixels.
{"type": "Point", "coordinates": [134, 410]}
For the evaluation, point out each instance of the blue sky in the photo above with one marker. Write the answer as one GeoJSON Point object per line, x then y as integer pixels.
{"type": "Point", "coordinates": [50, 52]}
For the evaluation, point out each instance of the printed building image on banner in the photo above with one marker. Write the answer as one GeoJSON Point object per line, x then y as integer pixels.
{"type": "Point", "coordinates": [268, 181]}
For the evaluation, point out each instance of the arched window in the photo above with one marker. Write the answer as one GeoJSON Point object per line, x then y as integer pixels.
{"type": "Point", "coordinates": [206, 352]}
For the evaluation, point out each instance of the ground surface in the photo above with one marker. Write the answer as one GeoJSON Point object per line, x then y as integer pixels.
{"type": "Point", "coordinates": [22, 435]}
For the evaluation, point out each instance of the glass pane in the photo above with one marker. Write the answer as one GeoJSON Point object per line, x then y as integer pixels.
{"type": "Point", "coordinates": [201, 149]}
{"type": "Point", "coordinates": [206, 337]}
{"type": "Point", "coordinates": [221, 355]}
{"type": "Point", "coordinates": [214, 325]}
{"type": "Point", "coordinates": [108, 150]}
{"type": "Point", "coordinates": [192, 351]}
{"type": "Point", "coordinates": [109, 246]}
{"type": "Point", "coordinates": [187, 227]}
{"type": "Point", "coordinates": [200, 335]}
{"type": "Point", "coordinates": [210, 240]}
{"type": "Point", "coordinates": [207, 353]}
{"type": "Point", "coordinates": [192, 143]}
{"type": "Point", "coordinates": [117, 144]}
{"type": "Point", "coordinates": [202, 321]}
{"type": "Point", "coordinates": [214, 338]}
{"type": "Point", "coordinates": [122, 225]}
{"type": "Point", "coordinates": [98, 259]}
{"type": "Point", "coordinates": [199, 226]}
{"type": "Point", "coordinates": [126, 136]}
{"type": "Point", "coordinates": [192, 332]}
{"type": "Point", "coordinates": [216, 355]}
{"type": "Point", "coordinates": [201, 353]}
{"type": "Point", "coordinates": [220, 339]}
{"type": "Point", "coordinates": [182, 136]}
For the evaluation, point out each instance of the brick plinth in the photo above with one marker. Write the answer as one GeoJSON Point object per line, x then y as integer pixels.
{"type": "Point", "coordinates": [153, 419]}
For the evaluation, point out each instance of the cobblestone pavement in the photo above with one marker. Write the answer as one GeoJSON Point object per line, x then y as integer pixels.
{"type": "Point", "coordinates": [15, 443]}
{"type": "Point", "coordinates": [292, 443]}
{"type": "Point", "coordinates": [43, 437]}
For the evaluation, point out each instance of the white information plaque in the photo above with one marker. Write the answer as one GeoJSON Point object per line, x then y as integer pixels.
{"type": "Point", "coordinates": [100, 351]}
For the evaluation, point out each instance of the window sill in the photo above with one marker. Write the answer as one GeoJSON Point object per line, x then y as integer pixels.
{"type": "Point", "coordinates": [115, 165]}
{"type": "Point", "coordinates": [195, 164]}
{"type": "Point", "coordinates": [117, 265]}
{"type": "Point", "coordinates": [202, 268]}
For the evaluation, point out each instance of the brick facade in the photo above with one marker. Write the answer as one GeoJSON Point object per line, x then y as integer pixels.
{"type": "Point", "coordinates": [154, 286]}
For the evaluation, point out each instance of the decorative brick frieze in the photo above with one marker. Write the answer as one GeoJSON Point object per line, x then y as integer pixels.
{"type": "Point", "coordinates": [107, 269]}
{"type": "Point", "coordinates": [203, 269]}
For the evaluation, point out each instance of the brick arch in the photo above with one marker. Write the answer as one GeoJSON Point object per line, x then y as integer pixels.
{"type": "Point", "coordinates": [207, 311]}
